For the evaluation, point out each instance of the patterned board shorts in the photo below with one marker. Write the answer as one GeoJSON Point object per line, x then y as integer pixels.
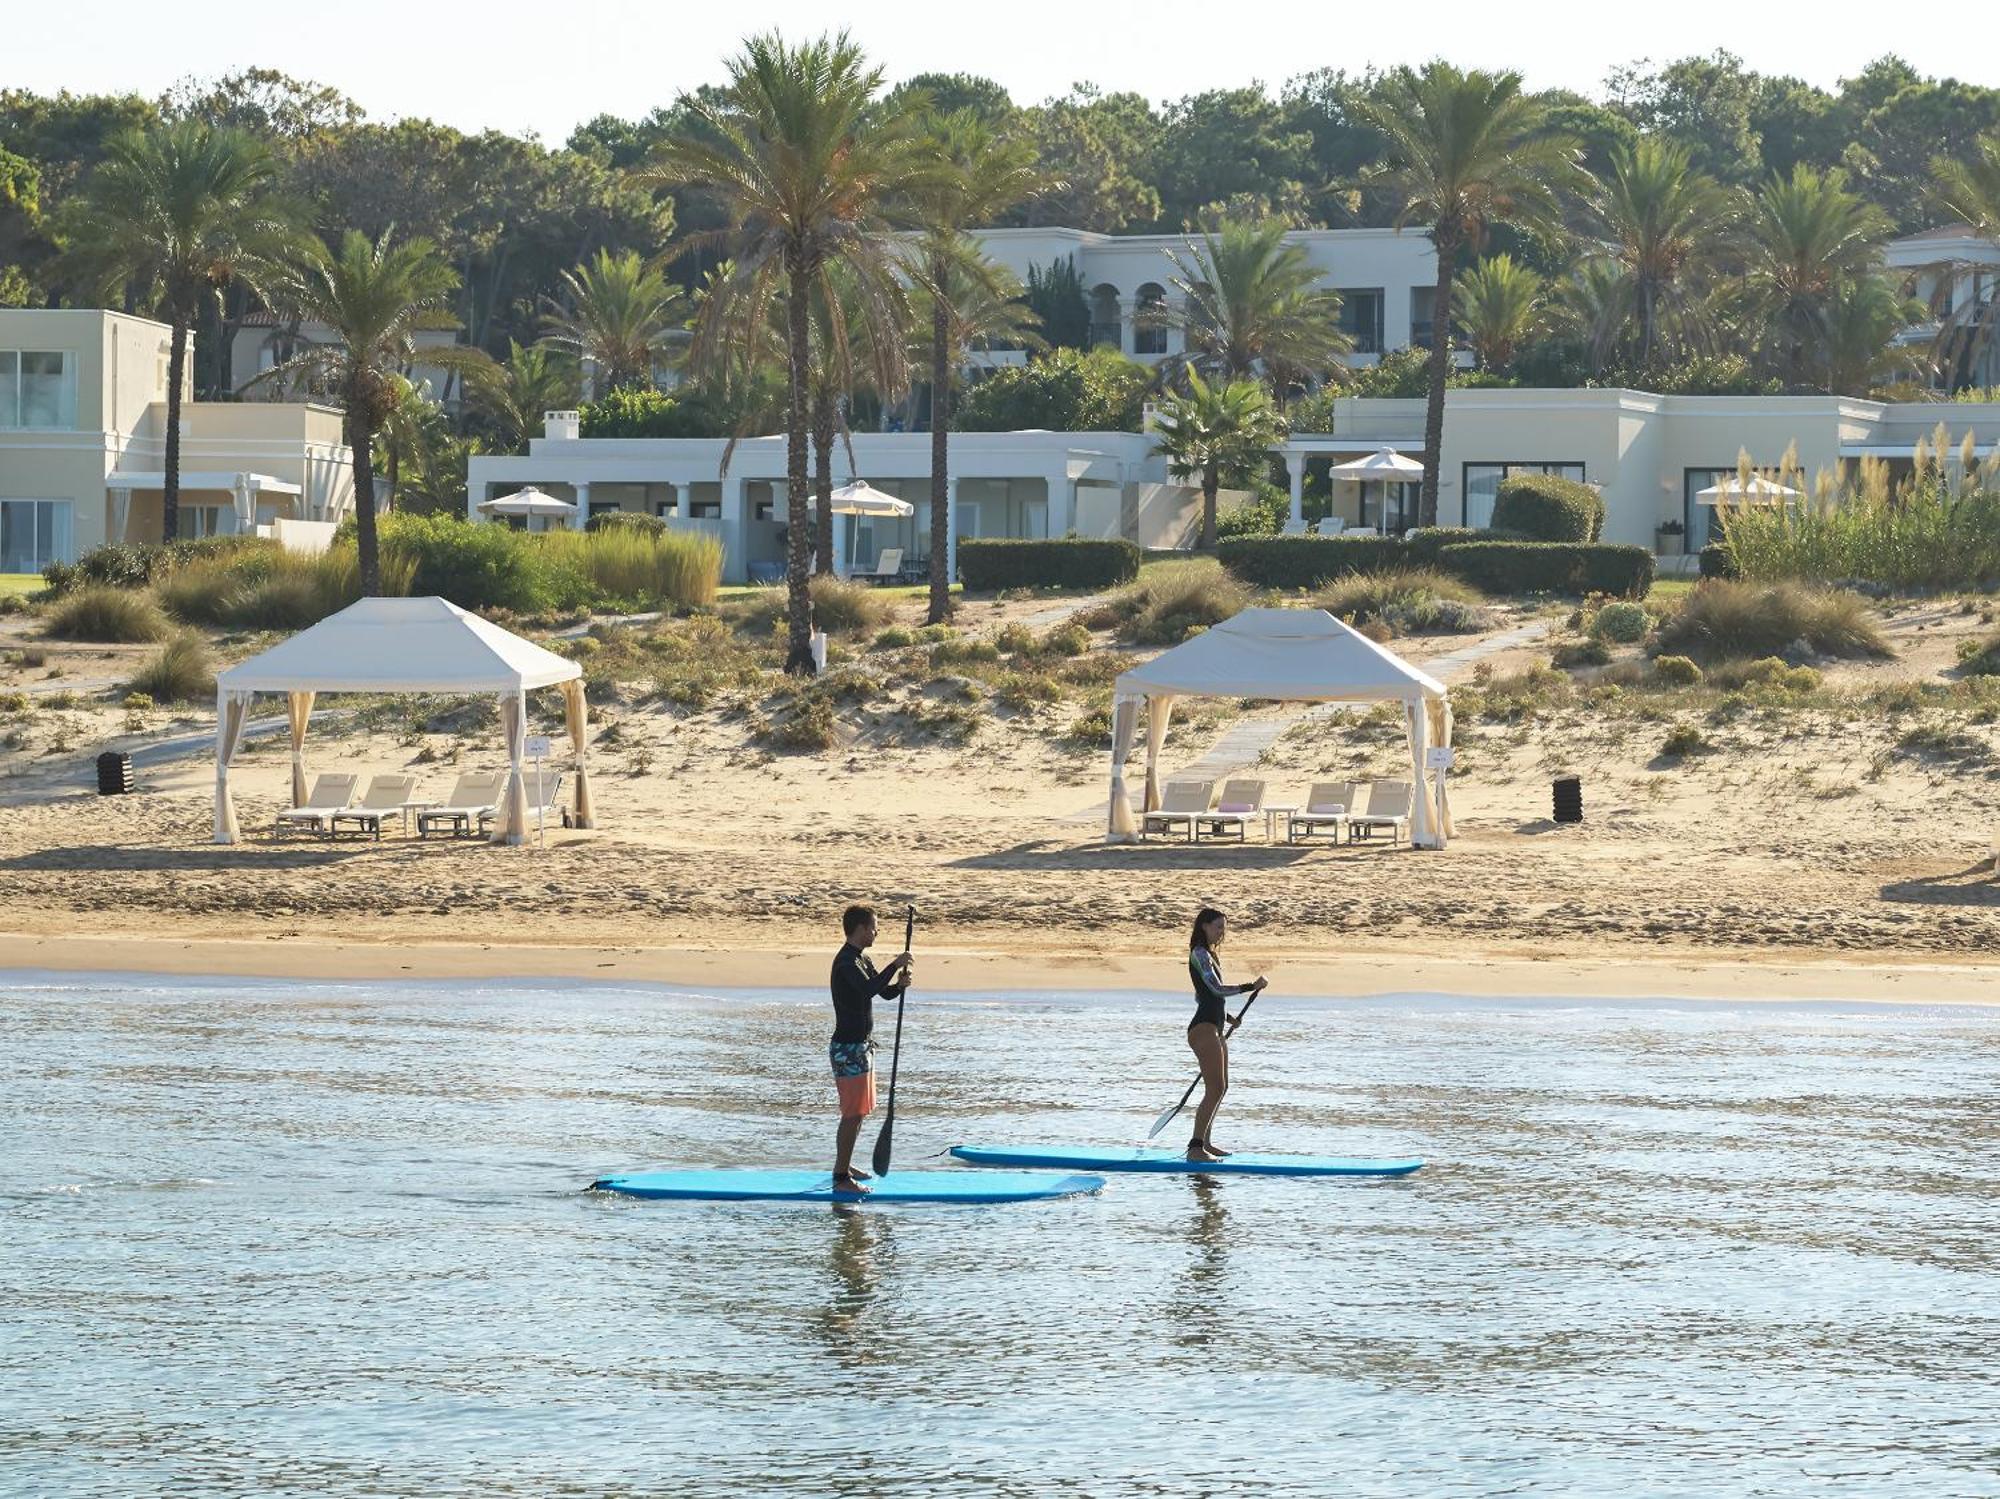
{"type": "Point", "coordinates": [853, 1075]}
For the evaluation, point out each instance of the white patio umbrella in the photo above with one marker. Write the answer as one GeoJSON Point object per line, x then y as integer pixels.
{"type": "Point", "coordinates": [530, 502]}
{"type": "Point", "coordinates": [859, 497]}
{"type": "Point", "coordinates": [1760, 491]}
{"type": "Point", "coordinates": [1385, 466]}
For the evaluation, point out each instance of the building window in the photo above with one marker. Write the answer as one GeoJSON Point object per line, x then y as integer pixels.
{"type": "Point", "coordinates": [1361, 317]}
{"type": "Point", "coordinates": [1699, 519]}
{"type": "Point", "coordinates": [1149, 331]}
{"type": "Point", "coordinates": [204, 520]}
{"type": "Point", "coordinates": [1423, 312]}
{"type": "Point", "coordinates": [705, 509]}
{"type": "Point", "coordinates": [1482, 485]}
{"type": "Point", "coordinates": [34, 533]}
{"type": "Point", "coordinates": [765, 510]}
{"type": "Point", "coordinates": [37, 390]}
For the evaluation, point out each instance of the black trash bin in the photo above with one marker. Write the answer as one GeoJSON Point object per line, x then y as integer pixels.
{"type": "Point", "coordinates": [1569, 799]}
{"type": "Point", "coordinates": [114, 774]}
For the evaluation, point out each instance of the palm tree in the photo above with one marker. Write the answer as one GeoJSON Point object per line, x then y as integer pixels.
{"type": "Point", "coordinates": [1806, 234]}
{"type": "Point", "coordinates": [1663, 221]}
{"type": "Point", "coordinates": [1213, 432]}
{"type": "Point", "coordinates": [1863, 316]}
{"type": "Point", "coordinates": [618, 315]}
{"type": "Point", "coordinates": [1503, 308]}
{"type": "Point", "coordinates": [375, 296]}
{"type": "Point", "coordinates": [1970, 192]}
{"type": "Point", "coordinates": [513, 394]}
{"type": "Point", "coordinates": [1466, 150]}
{"type": "Point", "coordinates": [964, 176]}
{"type": "Point", "coordinates": [802, 161]}
{"type": "Point", "coordinates": [174, 214]}
{"type": "Point", "coordinates": [1251, 304]}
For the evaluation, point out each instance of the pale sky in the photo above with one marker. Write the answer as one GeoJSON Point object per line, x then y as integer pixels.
{"type": "Point", "coordinates": [544, 67]}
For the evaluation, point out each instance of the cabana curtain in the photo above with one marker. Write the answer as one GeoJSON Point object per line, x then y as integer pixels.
{"type": "Point", "coordinates": [300, 706]}
{"type": "Point", "coordinates": [232, 711]}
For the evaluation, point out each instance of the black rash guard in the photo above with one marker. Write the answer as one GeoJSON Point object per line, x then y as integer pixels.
{"type": "Point", "coordinates": [856, 987]}
{"type": "Point", "coordinates": [1209, 990]}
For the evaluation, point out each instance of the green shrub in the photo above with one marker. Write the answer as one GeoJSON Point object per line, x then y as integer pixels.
{"type": "Point", "coordinates": [988, 565]}
{"type": "Point", "coordinates": [1265, 513]}
{"type": "Point", "coordinates": [1589, 651]}
{"type": "Point", "coordinates": [1170, 602]}
{"type": "Point", "coordinates": [107, 616]}
{"type": "Point", "coordinates": [843, 608]}
{"type": "Point", "coordinates": [1625, 623]}
{"type": "Point", "coordinates": [626, 520]}
{"type": "Point", "coordinates": [1516, 567]}
{"type": "Point", "coordinates": [1722, 620]}
{"type": "Point", "coordinates": [1771, 671]}
{"type": "Point", "coordinates": [894, 639]}
{"type": "Point", "coordinates": [1019, 690]}
{"type": "Point", "coordinates": [1411, 601]}
{"type": "Point", "coordinates": [632, 567]}
{"type": "Point", "coordinates": [1677, 671]}
{"type": "Point", "coordinates": [475, 565]}
{"type": "Point", "coordinates": [806, 728]}
{"type": "Point", "coordinates": [962, 650]}
{"type": "Point", "coordinates": [1683, 740]}
{"type": "Point", "coordinates": [1717, 561]}
{"type": "Point", "coordinates": [1015, 639]}
{"type": "Point", "coordinates": [1068, 639]}
{"type": "Point", "coordinates": [137, 702]}
{"type": "Point", "coordinates": [178, 672]}
{"type": "Point", "coordinates": [1548, 507]}
{"type": "Point", "coordinates": [1290, 562]}
{"type": "Point", "coordinates": [16, 702]}
{"type": "Point", "coordinates": [1064, 390]}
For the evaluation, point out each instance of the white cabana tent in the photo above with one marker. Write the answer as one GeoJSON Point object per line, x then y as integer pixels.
{"type": "Point", "coordinates": [1291, 655]}
{"type": "Point", "coordinates": [1384, 466]}
{"type": "Point", "coordinates": [402, 645]}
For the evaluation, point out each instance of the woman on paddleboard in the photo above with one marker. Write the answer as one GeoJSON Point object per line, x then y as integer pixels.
{"type": "Point", "coordinates": [1208, 1033]}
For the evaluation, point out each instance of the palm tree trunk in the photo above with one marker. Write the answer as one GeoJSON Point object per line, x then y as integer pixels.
{"type": "Point", "coordinates": [1447, 257]}
{"type": "Point", "coordinates": [798, 559]}
{"type": "Point", "coordinates": [361, 441]}
{"type": "Point", "coordinates": [1211, 480]}
{"type": "Point", "coordinates": [170, 490]}
{"type": "Point", "coordinates": [823, 482]}
{"type": "Point", "coordinates": [940, 609]}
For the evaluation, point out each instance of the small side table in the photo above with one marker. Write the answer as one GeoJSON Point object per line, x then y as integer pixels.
{"type": "Point", "coordinates": [1272, 812]}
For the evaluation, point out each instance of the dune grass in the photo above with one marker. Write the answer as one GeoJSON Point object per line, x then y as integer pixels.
{"type": "Point", "coordinates": [178, 672]}
{"type": "Point", "coordinates": [1409, 601]}
{"type": "Point", "coordinates": [1169, 603]}
{"type": "Point", "coordinates": [108, 616]}
{"type": "Point", "coordinates": [1724, 620]}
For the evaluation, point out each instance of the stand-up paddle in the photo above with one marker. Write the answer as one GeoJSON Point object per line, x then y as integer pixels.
{"type": "Point", "coordinates": [1172, 1109]}
{"type": "Point", "coordinates": [885, 1140]}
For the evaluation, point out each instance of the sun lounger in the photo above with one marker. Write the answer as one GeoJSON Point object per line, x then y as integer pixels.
{"type": "Point", "coordinates": [1182, 803]}
{"type": "Point", "coordinates": [1240, 802]}
{"type": "Point", "coordinates": [1388, 807]}
{"type": "Point", "coordinates": [1333, 525]}
{"type": "Point", "coordinates": [387, 796]}
{"type": "Point", "coordinates": [330, 794]}
{"type": "Point", "coordinates": [542, 799]}
{"type": "Point", "coordinates": [475, 795]}
{"type": "Point", "coordinates": [888, 568]}
{"type": "Point", "coordinates": [1327, 806]}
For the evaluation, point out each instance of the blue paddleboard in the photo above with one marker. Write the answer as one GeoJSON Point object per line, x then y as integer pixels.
{"type": "Point", "coordinates": [1132, 1158]}
{"type": "Point", "coordinates": [817, 1186]}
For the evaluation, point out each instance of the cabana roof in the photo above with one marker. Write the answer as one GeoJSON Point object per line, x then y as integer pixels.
{"type": "Point", "coordinates": [401, 645]}
{"type": "Point", "coordinates": [1290, 655]}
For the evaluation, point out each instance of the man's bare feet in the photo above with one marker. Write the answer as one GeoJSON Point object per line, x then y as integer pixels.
{"type": "Point", "coordinates": [848, 1182]}
{"type": "Point", "coordinates": [1197, 1151]}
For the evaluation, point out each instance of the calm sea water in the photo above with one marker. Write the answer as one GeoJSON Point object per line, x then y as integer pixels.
{"type": "Point", "coordinates": [312, 1239]}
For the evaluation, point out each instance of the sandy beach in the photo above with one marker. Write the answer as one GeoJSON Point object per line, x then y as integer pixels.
{"type": "Point", "coordinates": [1808, 854]}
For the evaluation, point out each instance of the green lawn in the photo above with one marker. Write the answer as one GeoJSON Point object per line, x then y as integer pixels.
{"type": "Point", "coordinates": [13, 583]}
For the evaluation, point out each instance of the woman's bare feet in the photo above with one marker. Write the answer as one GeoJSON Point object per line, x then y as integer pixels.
{"type": "Point", "coordinates": [1197, 1151]}
{"type": "Point", "coordinates": [850, 1182]}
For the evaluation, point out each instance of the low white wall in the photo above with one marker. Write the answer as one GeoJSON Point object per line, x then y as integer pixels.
{"type": "Point", "coordinates": [307, 537]}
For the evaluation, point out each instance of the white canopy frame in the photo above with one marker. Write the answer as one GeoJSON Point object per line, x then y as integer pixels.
{"type": "Point", "coordinates": [1287, 655]}
{"type": "Point", "coordinates": [405, 645]}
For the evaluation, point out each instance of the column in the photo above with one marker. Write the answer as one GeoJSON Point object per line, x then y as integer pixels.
{"type": "Point", "coordinates": [950, 531]}
{"type": "Point", "coordinates": [582, 488]}
{"type": "Point", "coordinates": [246, 514]}
{"type": "Point", "coordinates": [1295, 466]}
{"type": "Point", "coordinates": [1062, 503]}
{"type": "Point", "coordinates": [1176, 334]}
{"type": "Point", "coordinates": [735, 527]}
{"type": "Point", "coordinates": [1128, 331]}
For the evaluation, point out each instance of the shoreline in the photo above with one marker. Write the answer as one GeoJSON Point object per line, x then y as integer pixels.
{"type": "Point", "coordinates": [1356, 974]}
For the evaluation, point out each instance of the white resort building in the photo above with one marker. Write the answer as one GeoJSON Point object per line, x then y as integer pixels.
{"type": "Point", "coordinates": [83, 421]}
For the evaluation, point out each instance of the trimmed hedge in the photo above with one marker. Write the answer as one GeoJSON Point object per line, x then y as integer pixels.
{"type": "Point", "coordinates": [986, 564]}
{"type": "Point", "coordinates": [1716, 561]}
{"type": "Point", "coordinates": [1309, 561]}
{"type": "Point", "coordinates": [1547, 507]}
{"type": "Point", "coordinates": [1513, 567]}
{"type": "Point", "coordinates": [1427, 542]}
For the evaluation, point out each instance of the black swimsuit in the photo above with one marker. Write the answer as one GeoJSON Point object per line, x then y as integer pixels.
{"type": "Point", "coordinates": [1209, 990]}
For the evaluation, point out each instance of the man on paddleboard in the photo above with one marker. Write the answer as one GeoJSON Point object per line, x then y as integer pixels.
{"type": "Point", "coordinates": [856, 987]}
